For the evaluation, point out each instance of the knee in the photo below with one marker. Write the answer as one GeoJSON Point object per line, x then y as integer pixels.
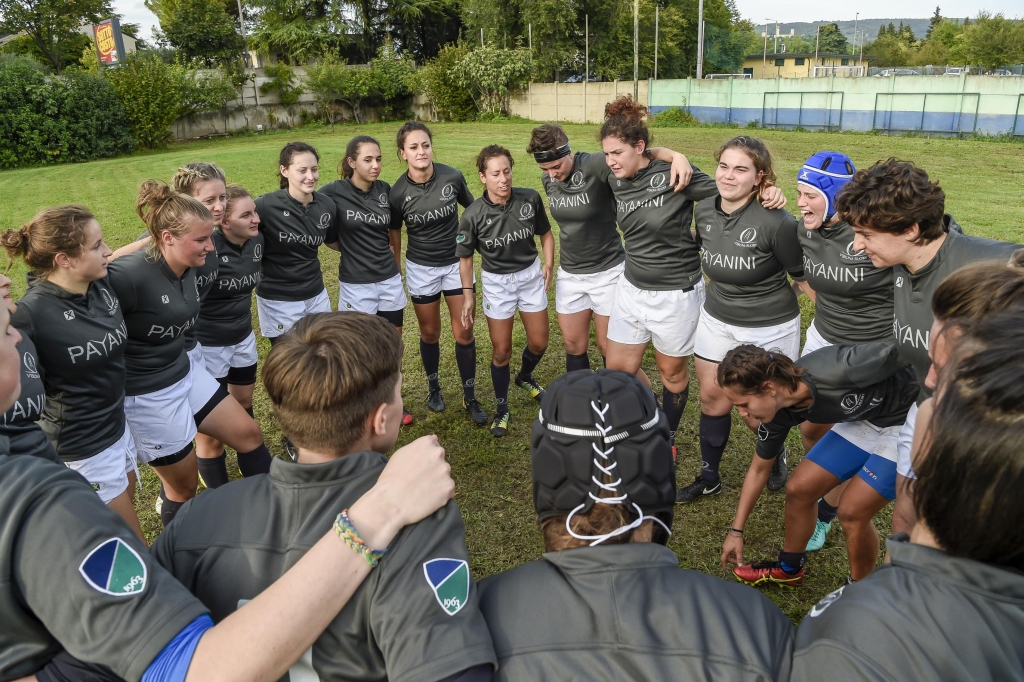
{"type": "Point", "coordinates": [852, 517]}
{"type": "Point", "coordinates": [577, 346]}
{"type": "Point", "coordinates": [675, 380]}
{"type": "Point", "coordinates": [800, 490]}
{"type": "Point", "coordinates": [501, 356]}
{"type": "Point", "coordinates": [430, 332]}
{"type": "Point", "coordinates": [251, 436]}
{"type": "Point", "coordinates": [537, 348]}
{"type": "Point", "coordinates": [463, 335]}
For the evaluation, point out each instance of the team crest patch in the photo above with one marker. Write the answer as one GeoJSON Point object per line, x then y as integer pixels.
{"type": "Point", "coordinates": [449, 579]}
{"type": "Point", "coordinates": [114, 568]}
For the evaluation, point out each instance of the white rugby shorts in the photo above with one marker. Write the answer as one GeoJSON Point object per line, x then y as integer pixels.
{"type": "Point", "coordinates": [668, 318]}
{"type": "Point", "coordinates": [716, 338]}
{"type": "Point", "coordinates": [522, 291]}
{"type": "Point", "coordinates": [204, 385]}
{"type": "Point", "coordinates": [426, 280]}
{"type": "Point", "coordinates": [278, 317]}
{"type": "Point", "coordinates": [107, 470]}
{"type": "Point", "coordinates": [904, 464]}
{"type": "Point", "coordinates": [220, 359]}
{"type": "Point", "coordinates": [575, 293]}
{"type": "Point", "coordinates": [161, 422]}
{"type": "Point", "coordinates": [373, 297]}
{"type": "Point", "coordinates": [814, 341]}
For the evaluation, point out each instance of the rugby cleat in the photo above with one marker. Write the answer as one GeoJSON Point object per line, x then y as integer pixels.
{"type": "Point", "coordinates": [499, 427]}
{"type": "Point", "coordinates": [435, 401]}
{"type": "Point", "coordinates": [696, 490]}
{"type": "Point", "coordinates": [407, 417]}
{"type": "Point", "coordinates": [768, 572]}
{"type": "Point", "coordinates": [817, 540]}
{"type": "Point", "coordinates": [780, 472]}
{"type": "Point", "coordinates": [475, 410]}
{"type": "Point", "coordinates": [530, 385]}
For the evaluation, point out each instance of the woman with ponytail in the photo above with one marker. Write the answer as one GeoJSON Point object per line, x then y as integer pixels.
{"type": "Point", "coordinates": [660, 294]}
{"type": "Point", "coordinates": [864, 389]}
{"type": "Point", "coordinates": [72, 316]}
{"type": "Point", "coordinates": [159, 297]}
{"type": "Point", "coordinates": [747, 252]}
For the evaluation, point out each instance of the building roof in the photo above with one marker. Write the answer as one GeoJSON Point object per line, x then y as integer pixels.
{"type": "Point", "coordinates": [775, 55]}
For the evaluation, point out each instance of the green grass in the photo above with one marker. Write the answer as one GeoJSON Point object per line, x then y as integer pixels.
{"type": "Point", "coordinates": [982, 182]}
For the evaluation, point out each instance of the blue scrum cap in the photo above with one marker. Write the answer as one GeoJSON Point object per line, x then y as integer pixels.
{"type": "Point", "coordinates": [827, 172]}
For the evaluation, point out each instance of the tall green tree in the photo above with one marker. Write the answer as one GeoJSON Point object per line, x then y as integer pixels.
{"type": "Point", "coordinates": [832, 41]}
{"type": "Point", "coordinates": [202, 30]}
{"type": "Point", "coordinates": [298, 30]}
{"type": "Point", "coordinates": [991, 41]}
{"type": "Point", "coordinates": [52, 25]}
{"type": "Point", "coordinates": [934, 22]}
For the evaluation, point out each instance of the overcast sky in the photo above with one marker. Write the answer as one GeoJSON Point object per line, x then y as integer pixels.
{"type": "Point", "coordinates": [135, 12]}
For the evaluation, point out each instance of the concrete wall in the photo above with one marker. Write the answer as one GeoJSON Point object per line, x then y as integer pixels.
{"type": "Point", "coordinates": [942, 105]}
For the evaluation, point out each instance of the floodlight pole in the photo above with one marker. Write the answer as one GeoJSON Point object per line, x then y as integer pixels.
{"type": "Point", "coordinates": [700, 40]}
{"type": "Point", "coordinates": [586, 64]}
{"type": "Point", "coordinates": [657, 8]}
{"type": "Point", "coordinates": [241, 30]}
{"type": "Point", "coordinates": [636, 49]}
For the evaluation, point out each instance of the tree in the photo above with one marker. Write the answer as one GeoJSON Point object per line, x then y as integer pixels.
{"type": "Point", "coordinates": [832, 41]}
{"type": "Point", "coordinates": [991, 41]}
{"type": "Point", "coordinates": [297, 30]}
{"type": "Point", "coordinates": [52, 25]}
{"type": "Point", "coordinates": [450, 100]}
{"type": "Point", "coordinates": [492, 74]}
{"type": "Point", "coordinates": [201, 29]}
{"type": "Point", "coordinates": [933, 23]}
{"type": "Point", "coordinates": [148, 88]}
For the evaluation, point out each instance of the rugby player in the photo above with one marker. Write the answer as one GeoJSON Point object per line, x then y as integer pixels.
{"type": "Point", "coordinates": [502, 226]}
{"type": "Point", "coordinates": [865, 390]}
{"type": "Point", "coordinates": [72, 315]}
{"type": "Point", "coordinates": [590, 255]}
{"type": "Point", "coordinates": [293, 221]}
{"type": "Point", "coordinates": [899, 220]}
{"type": "Point", "coordinates": [367, 232]}
{"type": "Point", "coordinates": [427, 197]}
{"type": "Point", "coordinates": [746, 252]}
{"type": "Point", "coordinates": [159, 296]}
{"type": "Point", "coordinates": [948, 606]}
{"type": "Point", "coordinates": [417, 618]}
{"type": "Point", "coordinates": [608, 600]}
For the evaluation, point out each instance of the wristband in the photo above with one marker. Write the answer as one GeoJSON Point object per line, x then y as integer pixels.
{"type": "Point", "coordinates": [736, 530]}
{"type": "Point", "coordinates": [347, 532]}
{"type": "Point", "coordinates": [469, 289]}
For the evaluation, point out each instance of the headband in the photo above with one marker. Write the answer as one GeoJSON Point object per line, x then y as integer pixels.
{"type": "Point", "coordinates": [552, 154]}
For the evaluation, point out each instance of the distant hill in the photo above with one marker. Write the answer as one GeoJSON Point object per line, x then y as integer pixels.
{"type": "Point", "coordinates": [869, 26]}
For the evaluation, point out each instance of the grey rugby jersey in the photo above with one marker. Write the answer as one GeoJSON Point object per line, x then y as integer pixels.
{"type": "Point", "coordinates": [661, 254]}
{"type": "Point", "coordinates": [362, 230]}
{"type": "Point", "coordinates": [80, 343]}
{"type": "Point", "coordinates": [853, 298]}
{"type": "Point", "coordinates": [924, 616]}
{"type": "Point", "coordinates": [76, 577]}
{"type": "Point", "coordinates": [19, 422]}
{"type": "Point", "coordinates": [292, 234]}
{"type": "Point", "coordinates": [205, 278]}
{"type": "Point", "coordinates": [415, 617]}
{"type": "Point", "coordinates": [158, 309]}
{"type": "Point", "coordinates": [849, 383]}
{"type": "Point", "coordinates": [584, 208]}
{"type": "Point", "coordinates": [226, 315]}
{"type": "Point", "coordinates": [746, 255]}
{"type": "Point", "coordinates": [628, 612]}
{"type": "Point", "coordinates": [912, 300]}
{"type": "Point", "coordinates": [504, 235]}
{"type": "Point", "coordinates": [430, 211]}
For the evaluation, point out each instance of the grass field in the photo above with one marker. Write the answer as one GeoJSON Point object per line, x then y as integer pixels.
{"type": "Point", "coordinates": [983, 182]}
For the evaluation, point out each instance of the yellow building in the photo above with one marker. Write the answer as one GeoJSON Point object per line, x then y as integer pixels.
{"type": "Point", "coordinates": [793, 65]}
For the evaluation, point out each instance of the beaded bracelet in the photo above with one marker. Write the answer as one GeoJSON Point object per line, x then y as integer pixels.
{"type": "Point", "coordinates": [347, 532]}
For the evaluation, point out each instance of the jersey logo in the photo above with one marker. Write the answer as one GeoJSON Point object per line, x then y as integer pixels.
{"type": "Point", "coordinates": [462, 237]}
{"type": "Point", "coordinates": [747, 237]}
{"type": "Point", "coordinates": [658, 181]}
{"type": "Point", "coordinates": [223, 259]}
{"type": "Point", "coordinates": [707, 228]}
{"type": "Point", "coordinates": [114, 568]}
{"type": "Point", "coordinates": [30, 366]}
{"type": "Point", "coordinates": [165, 298]}
{"type": "Point", "coordinates": [382, 200]}
{"type": "Point", "coordinates": [827, 601]}
{"type": "Point", "coordinates": [851, 401]}
{"type": "Point", "coordinates": [449, 579]}
{"type": "Point", "coordinates": [762, 431]}
{"type": "Point", "coordinates": [69, 314]}
{"type": "Point", "coordinates": [109, 300]}
{"type": "Point", "coordinates": [526, 211]}
{"type": "Point", "coordinates": [287, 214]}
{"type": "Point", "coordinates": [447, 192]}
{"type": "Point", "coordinates": [257, 252]}
{"type": "Point", "coordinates": [576, 181]}
{"type": "Point", "coordinates": [899, 281]}
{"type": "Point", "coordinates": [808, 234]}
{"type": "Point", "coordinates": [325, 220]}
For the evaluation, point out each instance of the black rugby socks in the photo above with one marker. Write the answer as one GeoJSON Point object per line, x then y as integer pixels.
{"type": "Point", "coordinates": [465, 358]}
{"type": "Point", "coordinates": [214, 470]}
{"type": "Point", "coordinates": [501, 377]}
{"type": "Point", "coordinates": [792, 562]}
{"type": "Point", "coordinates": [167, 508]}
{"type": "Point", "coordinates": [673, 405]}
{"type": "Point", "coordinates": [826, 512]}
{"type": "Point", "coordinates": [530, 362]}
{"type": "Point", "coordinates": [576, 362]}
{"type": "Point", "coordinates": [714, 434]}
{"type": "Point", "coordinates": [430, 353]}
{"type": "Point", "coordinates": [255, 461]}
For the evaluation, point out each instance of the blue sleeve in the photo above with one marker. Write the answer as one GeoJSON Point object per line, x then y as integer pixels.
{"type": "Point", "coordinates": [171, 665]}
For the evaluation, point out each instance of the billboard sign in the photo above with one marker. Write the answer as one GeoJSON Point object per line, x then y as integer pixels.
{"type": "Point", "coordinates": [109, 43]}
